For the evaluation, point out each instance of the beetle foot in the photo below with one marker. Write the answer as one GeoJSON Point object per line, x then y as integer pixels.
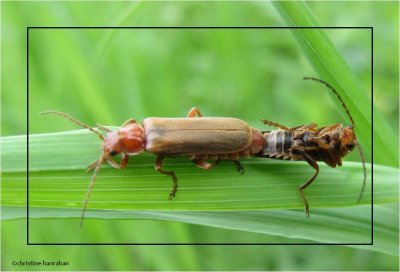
{"type": "Point", "coordinates": [241, 169]}
{"type": "Point", "coordinates": [172, 195]}
{"type": "Point", "coordinates": [239, 166]}
{"type": "Point", "coordinates": [92, 166]}
{"type": "Point", "coordinates": [307, 210]}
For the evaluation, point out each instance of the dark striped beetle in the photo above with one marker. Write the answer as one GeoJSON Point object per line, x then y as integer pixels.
{"type": "Point", "coordinates": [311, 144]}
{"type": "Point", "coordinates": [221, 138]}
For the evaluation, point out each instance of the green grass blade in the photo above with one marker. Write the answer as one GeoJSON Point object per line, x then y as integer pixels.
{"type": "Point", "coordinates": [331, 67]}
{"type": "Point", "coordinates": [58, 179]}
{"type": "Point", "coordinates": [327, 225]}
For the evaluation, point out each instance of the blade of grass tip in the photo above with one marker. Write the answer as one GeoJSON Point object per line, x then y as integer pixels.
{"type": "Point", "coordinates": [331, 67]}
{"type": "Point", "coordinates": [323, 56]}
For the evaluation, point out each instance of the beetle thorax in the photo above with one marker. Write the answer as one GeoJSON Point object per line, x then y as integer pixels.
{"type": "Point", "coordinates": [129, 139]}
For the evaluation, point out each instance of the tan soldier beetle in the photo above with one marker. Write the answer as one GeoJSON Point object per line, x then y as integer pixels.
{"type": "Point", "coordinates": [215, 139]}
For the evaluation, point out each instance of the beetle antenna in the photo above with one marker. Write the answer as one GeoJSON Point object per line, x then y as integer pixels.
{"type": "Point", "coordinates": [352, 122]}
{"type": "Point", "coordinates": [364, 171]}
{"type": "Point", "coordinates": [336, 93]}
{"type": "Point", "coordinates": [102, 158]}
{"type": "Point", "coordinates": [79, 123]}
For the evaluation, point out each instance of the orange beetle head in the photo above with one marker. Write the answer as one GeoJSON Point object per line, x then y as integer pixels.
{"type": "Point", "coordinates": [348, 140]}
{"type": "Point", "coordinates": [128, 140]}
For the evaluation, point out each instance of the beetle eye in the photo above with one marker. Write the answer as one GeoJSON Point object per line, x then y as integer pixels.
{"type": "Point", "coordinates": [113, 153]}
{"type": "Point", "coordinates": [350, 146]}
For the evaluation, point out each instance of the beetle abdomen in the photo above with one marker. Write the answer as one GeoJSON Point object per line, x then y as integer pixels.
{"type": "Point", "coordinates": [277, 144]}
{"type": "Point", "coordinates": [196, 136]}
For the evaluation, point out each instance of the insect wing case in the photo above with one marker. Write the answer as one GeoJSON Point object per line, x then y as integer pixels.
{"type": "Point", "coordinates": [196, 136]}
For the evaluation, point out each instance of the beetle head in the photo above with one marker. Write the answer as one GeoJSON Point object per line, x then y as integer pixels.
{"type": "Point", "coordinates": [129, 139]}
{"type": "Point", "coordinates": [348, 140]}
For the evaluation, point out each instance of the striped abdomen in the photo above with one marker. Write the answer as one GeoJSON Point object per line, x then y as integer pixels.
{"type": "Point", "coordinates": [277, 144]}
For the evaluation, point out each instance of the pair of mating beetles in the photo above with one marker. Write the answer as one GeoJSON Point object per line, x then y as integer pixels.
{"type": "Point", "coordinates": [221, 138]}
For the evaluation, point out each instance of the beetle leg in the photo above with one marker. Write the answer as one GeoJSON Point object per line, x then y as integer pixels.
{"type": "Point", "coordinates": [328, 129]}
{"type": "Point", "coordinates": [124, 161]}
{"type": "Point", "coordinates": [320, 143]}
{"type": "Point", "coordinates": [334, 149]}
{"type": "Point", "coordinates": [309, 128]}
{"type": "Point", "coordinates": [110, 160]}
{"type": "Point", "coordinates": [128, 122]}
{"type": "Point", "coordinates": [239, 166]}
{"type": "Point", "coordinates": [113, 163]}
{"type": "Point", "coordinates": [205, 165]}
{"type": "Point", "coordinates": [330, 155]}
{"type": "Point", "coordinates": [169, 173]}
{"type": "Point", "coordinates": [193, 111]}
{"type": "Point", "coordinates": [313, 163]}
{"type": "Point", "coordinates": [103, 128]}
{"type": "Point", "coordinates": [273, 124]}
{"type": "Point", "coordinates": [92, 166]}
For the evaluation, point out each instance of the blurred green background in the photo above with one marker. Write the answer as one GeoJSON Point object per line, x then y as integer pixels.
{"type": "Point", "coordinates": [108, 76]}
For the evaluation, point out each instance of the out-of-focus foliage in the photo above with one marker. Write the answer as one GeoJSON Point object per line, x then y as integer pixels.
{"type": "Point", "coordinates": [108, 76]}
